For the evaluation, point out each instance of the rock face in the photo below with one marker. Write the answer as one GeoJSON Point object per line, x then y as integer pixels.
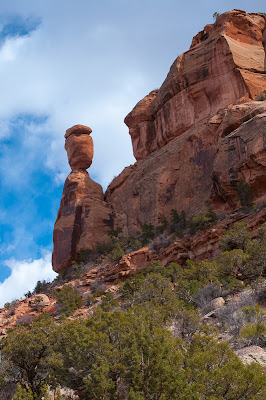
{"type": "Point", "coordinates": [83, 217]}
{"type": "Point", "coordinates": [224, 65]}
{"type": "Point", "coordinates": [194, 139]}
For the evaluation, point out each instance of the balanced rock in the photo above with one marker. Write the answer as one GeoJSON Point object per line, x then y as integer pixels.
{"type": "Point", "coordinates": [79, 147]}
{"type": "Point", "coordinates": [84, 217]}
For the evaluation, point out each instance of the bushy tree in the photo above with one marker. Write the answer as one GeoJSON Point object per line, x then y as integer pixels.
{"type": "Point", "coordinates": [237, 237]}
{"type": "Point", "coordinates": [203, 220]}
{"type": "Point", "coordinates": [26, 357]}
{"type": "Point", "coordinates": [68, 299]}
{"type": "Point", "coordinates": [244, 194]}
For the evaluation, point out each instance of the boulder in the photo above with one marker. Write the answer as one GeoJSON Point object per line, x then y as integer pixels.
{"type": "Point", "coordinates": [79, 147]}
{"type": "Point", "coordinates": [252, 354]}
{"type": "Point", "coordinates": [217, 303]}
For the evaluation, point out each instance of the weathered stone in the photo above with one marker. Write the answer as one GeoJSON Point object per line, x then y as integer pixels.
{"type": "Point", "coordinates": [242, 156]}
{"type": "Point", "coordinates": [82, 221]}
{"type": "Point", "coordinates": [217, 303]}
{"type": "Point", "coordinates": [79, 147]}
{"type": "Point", "coordinates": [39, 300]}
{"type": "Point", "coordinates": [252, 354]}
{"type": "Point", "coordinates": [225, 64]}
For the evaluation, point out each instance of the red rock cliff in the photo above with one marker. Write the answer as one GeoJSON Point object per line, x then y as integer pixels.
{"type": "Point", "coordinates": [194, 139]}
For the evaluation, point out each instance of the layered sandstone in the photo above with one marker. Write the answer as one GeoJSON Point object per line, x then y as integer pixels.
{"type": "Point", "coordinates": [225, 64]}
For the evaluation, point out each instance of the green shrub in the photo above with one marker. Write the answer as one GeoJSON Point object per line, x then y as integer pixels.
{"type": "Point", "coordinates": [147, 233]}
{"type": "Point", "coordinates": [84, 255]}
{"type": "Point", "coordinates": [116, 253]}
{"type": "Point", "coordinates": [162, 227]}
{"type": "Point", "coordinates": [108, 302]}
{"type": "Point", "coordinates": [231, 262]}
{"type": "Point", "coordinates": [41, 287]}
{"type": "Point", "coordinates": [68, 299]}
{"type": "Point", "coordinates": [244, 194]}
{"type": "Point", "coordinates": [203, 220]}
{"type": "Point", "coordinates": [178, 222]}
{"type": "Point", "coordinates": [216, 15]}
{"type": "Point", "coordinates": [114, 233]}
{"type": "Point", "coordinates": [90, 301]}
{"type": "Point", "coordinates": [255, 333]}
{"type": "Point", "coordinates": [237, 237]}
{"type": "Point", "coordinates": [23, 394]}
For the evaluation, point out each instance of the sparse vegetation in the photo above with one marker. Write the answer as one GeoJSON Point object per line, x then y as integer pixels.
{"type": "Point", "coordinates": [216, 15]}
{"type": "Point", "coordinates": [261, 96]}
{"type": "Point", "coordinates": [244, 194]}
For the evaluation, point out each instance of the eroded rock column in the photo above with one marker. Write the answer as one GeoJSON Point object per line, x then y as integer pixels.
{"type": "Point", "coordinates": [83, 218]}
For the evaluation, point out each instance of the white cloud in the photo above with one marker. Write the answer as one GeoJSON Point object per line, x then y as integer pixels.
{"type": "Point", "coordinates": [24, 276]}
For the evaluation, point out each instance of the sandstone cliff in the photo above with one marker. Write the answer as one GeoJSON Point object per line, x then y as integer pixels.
{"type": "Point", "coordinates": [194, 139]}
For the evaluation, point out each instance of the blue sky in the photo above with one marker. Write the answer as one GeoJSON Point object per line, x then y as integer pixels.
{"type": "Point", "coordinates": [68, 62]}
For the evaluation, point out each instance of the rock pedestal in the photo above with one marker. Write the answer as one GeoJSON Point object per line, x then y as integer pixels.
{"type": "Point", "coordinates": [84, 217]}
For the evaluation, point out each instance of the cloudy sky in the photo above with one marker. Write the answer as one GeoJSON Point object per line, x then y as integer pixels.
{"type": "Point", "coordinates": [69, 62]}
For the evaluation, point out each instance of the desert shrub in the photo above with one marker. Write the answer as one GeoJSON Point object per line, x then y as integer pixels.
{"type": "Point", "coordinates": [231, 262]}
{"type": "Point", "coordinates": [255, 333]}
{"type": "Point", "coordinates": [116, 253]}
{"type": "Point", "coordinates": [162, 227]}
{"type": "Point", "coordinates": [261, 96]}
{"type": "Point", "coordinates": [11, 307]}
{"type": "Point", "coordinates": [203, 297]}
{"type": "Point", "coordinates": [25, 319]}
{"type": "Point", "coordinates": [84, 255]}
{"type": "Point", "coordinates": [233, 315]}
{"type": "Point", "coordinates": [161, 241]}
{"type": "Point", "coordinates": [108, 302]}
{"type": "Point", "coordinates": [255, 265]}
{"type": "Point", "coordinates": [256, 250]}
{"type": "Point", "coordinates": [128, 244]}
{"type": "Point", "coordinates": [90, 300]}
{"type": "Point", "coordinates": [203, 220]}
{"type": "Point", "coordinates": [41, 287]}
{"type": "Point", "coordinates": [216, 15]}
{"type": "Point", "coordinates": [98, 286]}
{"type": "Point", "coordinates": [148, 233]}
{"type": "Point", "coordinates": [244, 194]}
{"type": "Point", "coordinates": [114, 233]}
{"type": "Point", "coordinates": [103, 248]}
{"type": "Point", "coordinates": [68, 299]}
{"type": "Point", "coordinates": [178, 222]}
{"type": "Point", "coordinates": [236, 237]}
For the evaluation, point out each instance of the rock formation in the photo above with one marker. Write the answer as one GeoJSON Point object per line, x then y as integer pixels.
{"type": "Point", "coordinates": [83, 217]}
{"type": "Point", "coordinates": [194, 139]}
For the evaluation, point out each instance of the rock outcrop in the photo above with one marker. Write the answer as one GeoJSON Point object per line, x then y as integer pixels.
{"type": "Point", "coordinates": [224, 65]}
{"type": "Point", "coordinates": [194, 139]}
{"type": "Point", "coordinates": [83, 217]}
